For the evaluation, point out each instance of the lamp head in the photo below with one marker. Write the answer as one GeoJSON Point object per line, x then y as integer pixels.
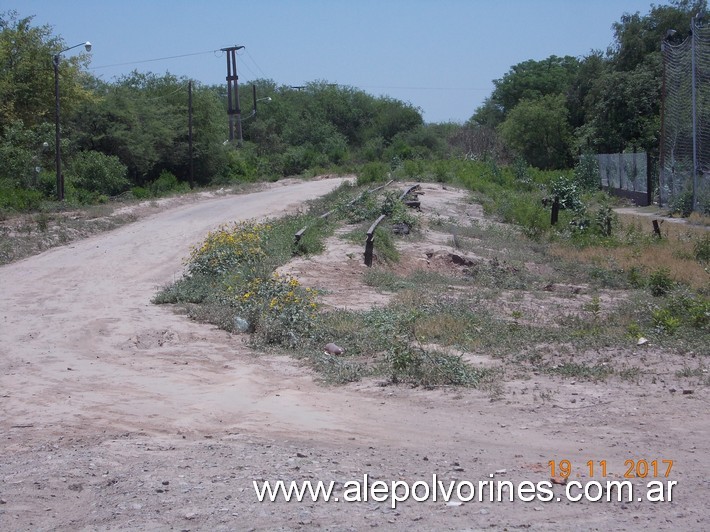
{"type": "Point", "coordinates": [87, 45]}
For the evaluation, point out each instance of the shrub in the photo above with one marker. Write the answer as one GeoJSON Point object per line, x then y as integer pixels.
{"type": "Point", "coordinates": [682, 204]}
{"type": "Point", "coordinates": [95, 172]}
{"type": "Point", "coordinates": [665, 321]}
{"type": "Point", "coordinates": [586, 172]}
{"type": "Point", "coordinates": [371, 173]}
{"type": "Point", "coordinates": [140, 193]}
{"type": "Point", "coordinates": [167, 183]}
{"type": "Point", "coordinates": [701, 249]}
{"type": "Point", "coordinates": [20, 200]}
{"type": "Point", "coordinates": [237, 246]}
{"type": "Point", "coordinates": [660, 282]}
{"type": "Point", "coordinates": [567, 190]}
{"type": "Point", "coordinates": [396, 210]}
{"type": "Point", "coordinates": [277, 308]}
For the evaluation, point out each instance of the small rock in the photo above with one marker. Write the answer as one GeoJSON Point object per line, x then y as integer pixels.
{"type": "Point", "coordinates": [642, 341]}
{"type": "Point", "coordinates": [240, 324]}
{"type": "Point", "coordinates": [190, 515]}
{"type": "Point", "coordinates": [501, 471]}
{"type": "Point", "coordinates": [484, 512]}
{"type": "Point", "coordinates": [454, 503]}
{"type": "Point", "coordinates": [333, 349]}
{"type": "Point", "coordinates": [301, 455]}
{"type": "Point", "coordinates": [400, 228]}
{"type": "Point", "coordinates": [688, 392]}
{"type": "Point", "coordinates": [559, 480]}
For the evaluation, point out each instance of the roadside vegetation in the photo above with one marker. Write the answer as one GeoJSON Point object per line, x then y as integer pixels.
{"type": "Point", "coordinates": [614, 283]}
{"type": "Point", "coordinates": [555, 300]}
{"type": "Point", "coordinates": [129, 137]}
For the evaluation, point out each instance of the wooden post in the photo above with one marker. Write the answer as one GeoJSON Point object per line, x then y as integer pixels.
{"type": "Point", "coordinates": [369, 248]}
{"type": "Point", "coordinates": [656, 228]}
{"type": "Point", "coordinates": [555, 211]}
{"type": "Point", "coordinates": [370, 242]}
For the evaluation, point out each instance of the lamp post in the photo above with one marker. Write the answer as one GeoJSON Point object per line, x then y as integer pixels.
{"type": "Point", "coordinates": [57, 137]}
{"type": "Point", "coordinates": [253, 92]}
{"type": "Point", "coordinates": [251, 115]}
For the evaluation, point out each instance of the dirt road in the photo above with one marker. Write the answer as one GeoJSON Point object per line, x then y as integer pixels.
{"type": "Point", "coordinates": [119, 414]}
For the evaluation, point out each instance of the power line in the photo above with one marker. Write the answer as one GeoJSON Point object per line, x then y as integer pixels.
{"type": "Point", "coordinates": [255, 63]}
{"type": "Point", "coordinates": [426, 88]}
{"type": "Point", "coordinates": [153, 60]}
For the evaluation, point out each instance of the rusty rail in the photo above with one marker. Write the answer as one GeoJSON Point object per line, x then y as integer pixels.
{"type": "Point", "coordinates": [415, 204]}
{"type": "Point", "coordinates": [370, 242]}
{"type": "Point", "coordinates": [297, 237]}
{"type": "Point", "coordinates": [408, 191]}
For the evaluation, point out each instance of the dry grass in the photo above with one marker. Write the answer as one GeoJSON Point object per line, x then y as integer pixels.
{"type": "Point", "coordinates": [674, 251]}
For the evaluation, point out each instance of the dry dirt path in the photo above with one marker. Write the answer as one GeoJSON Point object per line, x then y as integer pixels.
{"type": "Point", "coordinates": [119, 414]}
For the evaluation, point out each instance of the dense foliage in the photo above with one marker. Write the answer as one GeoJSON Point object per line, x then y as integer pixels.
{"type": "Point", "coordinates": [604, 103]}
{"type": "Point", "coordinates": [131, 134]}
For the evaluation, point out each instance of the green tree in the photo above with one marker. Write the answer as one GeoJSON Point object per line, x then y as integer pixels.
{"type": "Point", "coordinates": [143, 120]}
{"type": "Point", "coordinates": [539, 130]}
{"type": "Point", "coordinates": [26, 79]}
{"type": "Point", "coordinates": [27, 95]}
{"type": "Point", "coordinates": [532, 80]}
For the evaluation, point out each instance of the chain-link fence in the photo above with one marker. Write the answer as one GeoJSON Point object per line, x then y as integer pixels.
{"type": "Point", "coordinates": [626, 175]}
{"type": "Point", "coordinates": [684, 176]}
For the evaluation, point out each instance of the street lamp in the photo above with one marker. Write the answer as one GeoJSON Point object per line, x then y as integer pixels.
{"type": "Point", "coordinates": [253, 92]}
{"type": "Point", "coordinates": [57, 150]}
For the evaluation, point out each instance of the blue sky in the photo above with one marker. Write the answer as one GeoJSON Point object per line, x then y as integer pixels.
{"type": "Point", "coordinates": [438, 55]}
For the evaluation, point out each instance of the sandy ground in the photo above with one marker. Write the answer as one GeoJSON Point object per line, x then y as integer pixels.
{"type": "Point", "coordinates": [116, 414]}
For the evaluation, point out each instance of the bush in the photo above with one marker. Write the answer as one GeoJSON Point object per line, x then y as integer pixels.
{"type": "Point", "coordinates": [682, 204]}
{"type": "Point", "coordinates": [20, 200]}
{"type": "Point", "coordinates": [372, 173]}
{"type": "Point", "coordinates": [167, 183]}
{"type": "Point", "coordinates": [239, 246]}
{"type": "Point", "coordinates": [141, 193]}
{"type": "Point", "coordinates": [702, 250]}
{"type": "Point", "coordinates": [586, 172]}
{"type": "Point", "coordinates": [660, 282]}
{"type": "Point", "coordinates": [277, 308]}
{"type": "Point", "coordinates": [95, 172]}
{"type": "Point", "coordinates": [396, 210]}
{"type": "Point", "coordinates": [241, 165]}
{"type": "Point", "coordinates": [567, 190]}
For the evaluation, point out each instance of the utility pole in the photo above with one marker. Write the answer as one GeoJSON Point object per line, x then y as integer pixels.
{"type": "Point", "coordinates": [233, 109]}
{"type": "Point", "coordinates": [189, 132]}
{"type": "Point", "coordinates": [694, 98]}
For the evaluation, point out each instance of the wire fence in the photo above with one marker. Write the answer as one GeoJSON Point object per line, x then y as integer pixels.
{"type": "Point", "coordinates": [626, 175]}
{"type": "Point", "coordinates": [684, 174]}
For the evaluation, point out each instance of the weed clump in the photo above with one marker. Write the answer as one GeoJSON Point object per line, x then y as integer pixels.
{"type": "Point", "coordinates": [231, 281]}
